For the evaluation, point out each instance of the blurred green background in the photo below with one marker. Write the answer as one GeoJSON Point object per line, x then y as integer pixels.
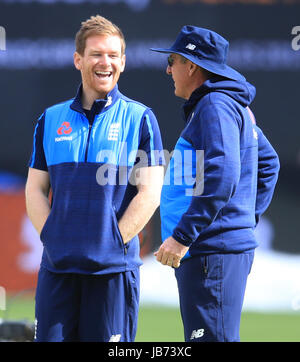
{"type": "Point", "coordinates": [162, 324]}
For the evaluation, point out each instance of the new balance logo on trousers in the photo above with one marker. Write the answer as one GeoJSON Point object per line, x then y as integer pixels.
{"type": "Point", "coordinates": [115, 338]}
{"type": "Point", "coordinates": [197, 333]}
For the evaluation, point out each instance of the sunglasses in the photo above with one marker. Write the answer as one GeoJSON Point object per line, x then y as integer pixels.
{"type": "Point", "coordinates": [170, 61]}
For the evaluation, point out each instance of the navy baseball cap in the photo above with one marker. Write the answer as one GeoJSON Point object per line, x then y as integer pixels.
{"type": "Point", "coordinates": [205, 48]}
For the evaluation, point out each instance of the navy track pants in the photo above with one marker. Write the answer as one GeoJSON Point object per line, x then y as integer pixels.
{"type": "Point", "coordinates": [94, 308]}
{"type": "Point", "coordinates": [211, 294]}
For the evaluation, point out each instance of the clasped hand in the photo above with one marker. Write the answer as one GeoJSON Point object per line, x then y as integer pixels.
{"type": "Point", "coordinates": [171, 252]}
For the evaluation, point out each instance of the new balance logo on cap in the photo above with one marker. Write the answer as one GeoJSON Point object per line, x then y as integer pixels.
{"type": "Point", "coordinates": [191, 46]}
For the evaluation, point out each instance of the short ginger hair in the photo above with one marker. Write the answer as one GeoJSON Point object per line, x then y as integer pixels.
{"type": "Point", "coordinates": [97, 25]}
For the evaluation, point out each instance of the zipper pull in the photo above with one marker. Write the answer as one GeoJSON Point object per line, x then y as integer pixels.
{"type": "Point", "coordinates": [205, 265]}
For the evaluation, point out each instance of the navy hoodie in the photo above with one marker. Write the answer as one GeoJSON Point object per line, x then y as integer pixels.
{"type": "Point", "coordinates": [222, 174]}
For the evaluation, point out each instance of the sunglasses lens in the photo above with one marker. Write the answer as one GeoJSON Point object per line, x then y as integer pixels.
{"type": "Point", "coordinates": [170, 61]}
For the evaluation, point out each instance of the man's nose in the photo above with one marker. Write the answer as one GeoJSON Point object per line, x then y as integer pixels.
{"type": "Point", "coordinates": [169, 70]}
{"type": "Point", "coordinates": [104, 59]}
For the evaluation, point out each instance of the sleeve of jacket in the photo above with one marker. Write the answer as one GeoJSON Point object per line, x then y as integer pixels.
{"type": "Point", "coordinates": [217, 133]}
{"type": "Point", "coordinates": [268, 170]}
{"type": "Point", "coordinates": [37, 158]}
{"type": "Point", "coordinates": [150, 145]}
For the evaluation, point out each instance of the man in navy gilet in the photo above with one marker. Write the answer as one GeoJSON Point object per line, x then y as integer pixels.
{"type": "Point", "coordinates": [97, 154]}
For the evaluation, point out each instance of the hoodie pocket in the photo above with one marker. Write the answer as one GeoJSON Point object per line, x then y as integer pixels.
{"type": "Point", "coordinates": [44, 229]}
{"type": "Point", "coordinates": [116, 225]}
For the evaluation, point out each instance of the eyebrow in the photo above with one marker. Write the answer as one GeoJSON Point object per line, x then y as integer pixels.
{"type": "Point", "coordinates": [105, 51]}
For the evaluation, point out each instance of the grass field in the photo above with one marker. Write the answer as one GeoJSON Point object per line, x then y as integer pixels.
{"type": "Point", "coordinates": [160, 324]}
{"type": "Point", "coordinates": [164, 324]}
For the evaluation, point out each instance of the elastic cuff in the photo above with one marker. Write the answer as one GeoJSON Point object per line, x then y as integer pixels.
{"type": "Point", "coordinates": [181, 239]}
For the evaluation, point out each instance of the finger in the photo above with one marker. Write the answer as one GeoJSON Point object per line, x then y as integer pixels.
{"type": "Point", "coordinates": [164, 258]}
{"type": "Point", "coordinates": [176, 263]}
{"type": "Point", "coordinates": [158, 255]}
{"type": "Point", "coordinates": [170, 262]}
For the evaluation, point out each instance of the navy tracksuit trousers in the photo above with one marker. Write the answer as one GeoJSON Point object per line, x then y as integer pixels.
{"type": "Point", "coordinates": [93, 308]}
{"type": "Point", "coordinates": [211, 293]}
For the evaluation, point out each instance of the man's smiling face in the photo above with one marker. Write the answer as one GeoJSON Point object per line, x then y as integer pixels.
{"type": "Point", "coordinates": [100, 65]}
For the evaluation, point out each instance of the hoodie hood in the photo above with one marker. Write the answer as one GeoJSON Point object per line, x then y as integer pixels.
{"type": "Point", "coordinates": [241, 91]}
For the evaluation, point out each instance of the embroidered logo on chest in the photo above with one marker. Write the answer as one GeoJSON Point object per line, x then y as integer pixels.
{"type": "Point", "coordinates": [113, 132]}
{"type": "Point", "coordinates": [64, 131]}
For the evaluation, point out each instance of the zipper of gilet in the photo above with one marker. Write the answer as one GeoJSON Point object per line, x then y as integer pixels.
{"type": "Point", "coordinates": [87, 143]}
{"type": "Point", "coordinates": [89, 136]}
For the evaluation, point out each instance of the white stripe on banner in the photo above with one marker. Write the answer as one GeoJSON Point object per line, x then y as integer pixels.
{"type": "Point", "coordinates": [135, 5]}
{"type": "Point", "coordinates": [244, 55]}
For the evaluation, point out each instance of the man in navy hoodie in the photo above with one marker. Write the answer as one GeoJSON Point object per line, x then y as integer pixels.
{"type": "Point", "coordinates": [219, 181]}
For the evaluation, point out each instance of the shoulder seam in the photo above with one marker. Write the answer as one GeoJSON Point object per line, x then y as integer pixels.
{"type": "Point", "coordinates": [59, 104]}
{"type": "Point", "coordinates": [129, 100]}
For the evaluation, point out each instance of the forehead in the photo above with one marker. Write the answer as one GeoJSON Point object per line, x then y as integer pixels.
{"type": "Point", "coordinates": [110, 43]}
{"type": "Point", "coordinates": [174, 55]}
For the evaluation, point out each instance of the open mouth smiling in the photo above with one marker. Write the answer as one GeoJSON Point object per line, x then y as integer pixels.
{"type": "Point", "coordinates": [101, 74]}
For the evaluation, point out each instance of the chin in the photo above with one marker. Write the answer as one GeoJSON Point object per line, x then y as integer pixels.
{"type": "Point", "coordinates": [178, 94]}
{"type": "Point", "coordinates": [103, 90]}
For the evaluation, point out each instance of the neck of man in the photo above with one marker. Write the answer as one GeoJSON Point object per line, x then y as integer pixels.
{"type": "Point", "coordinates": [197, 80]}
{"type": "Point", "coordinates": [88, 98]}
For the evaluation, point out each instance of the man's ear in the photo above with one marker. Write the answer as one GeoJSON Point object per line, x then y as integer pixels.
{"type": "Point", "coordinates": [123, 61]}
{"type": "Point", "coordinates": [192, 68]}
{"type": "Point", "coordinates": [77, 60]}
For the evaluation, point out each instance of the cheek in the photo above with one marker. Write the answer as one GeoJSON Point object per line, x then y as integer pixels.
{"type": "Point", "coordinates": [181, 78]}
{"type": "Point", "coordinates": [117, 72]}
{"type": "Point", "coordinates": [88, 64]}
{"type": "Point", "coordinates": [177, 78]}
{"type": "Point", "coordinates": [119, 66]}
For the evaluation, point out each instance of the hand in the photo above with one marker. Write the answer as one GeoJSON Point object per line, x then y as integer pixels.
{"type": "Point", "coordinates": [171, 252]}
